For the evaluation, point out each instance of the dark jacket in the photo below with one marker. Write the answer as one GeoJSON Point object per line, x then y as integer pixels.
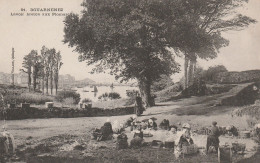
{"type": "Point", "coordinates": [185, 142]}
{"type": "Point", "coordinates": [215, 131]}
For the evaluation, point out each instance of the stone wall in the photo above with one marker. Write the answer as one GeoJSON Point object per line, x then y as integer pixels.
{"type": "Point", "coordinates": [237, 77]}
{"type": "Point", "coordinates": [246, 96]}
{"type": "Point", "coordinates": [55, 112]}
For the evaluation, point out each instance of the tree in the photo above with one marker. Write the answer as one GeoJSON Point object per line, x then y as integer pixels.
{"type": "Point", "coordinates": [163, 82]}
{"type": "Point", "coordinates": [44, 62]}
{"type": "Point", "coordinates": [209, 74]}
{"type": "Point", "coordinates": [36, 67]}
{"type": "Point", "coordinates": [47, 67]}
{"type": "Point", "coordinates": [203, 22]}
{"type": "Point", "coordinates": [32, 65]}
{"type": "Point", "coordinates": [57, 67]}
{"type": "Point", "coordinates": [27, 65]}
{"type": "Point", "coordinates": [126, 36]}
{"type": "Point", "coordinates": [52, 53]}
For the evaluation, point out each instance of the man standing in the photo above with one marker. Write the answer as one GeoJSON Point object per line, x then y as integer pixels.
{"type": "Point", "coordinates": [213, 139]}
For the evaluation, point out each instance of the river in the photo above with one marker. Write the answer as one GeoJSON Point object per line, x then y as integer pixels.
{"type": "Point", "coordinates": [86, 92]}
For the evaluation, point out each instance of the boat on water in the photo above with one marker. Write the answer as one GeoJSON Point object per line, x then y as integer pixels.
{"type": "Point", "coordinates": [69, 89]}
{"type": "Point", "coordinates": [95, 89]}
{"type": "Point", "coordinates": [80, 86]}
{"type": "Point", "coordinates": [112, 86]}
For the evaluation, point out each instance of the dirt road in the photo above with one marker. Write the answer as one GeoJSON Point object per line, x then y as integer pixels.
{"type": "Point", "coordinates": [41, 140]}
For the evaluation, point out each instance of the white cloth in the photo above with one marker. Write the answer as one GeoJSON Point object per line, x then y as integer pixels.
{"type": "Point", "coordinates": [8, 143]}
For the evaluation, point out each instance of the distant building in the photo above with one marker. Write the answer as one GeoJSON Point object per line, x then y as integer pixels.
{"type": "Point", "coordinates": [66, 80]}
{"type": "Point", "coordinates": [5, 78]}
{"type": "Point", "coordinates": [22, 78]}
{"type": "Point", "coordinates": [15, 78]}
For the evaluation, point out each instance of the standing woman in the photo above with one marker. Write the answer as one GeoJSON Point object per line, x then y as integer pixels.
{"type": "Point", "coordinates": [138, 105]}
{"type": "Point", "coordinates": [212, 139]}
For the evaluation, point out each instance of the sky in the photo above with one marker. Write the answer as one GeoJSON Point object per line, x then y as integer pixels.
{"type": "Point", "coordinates": [25, 33]}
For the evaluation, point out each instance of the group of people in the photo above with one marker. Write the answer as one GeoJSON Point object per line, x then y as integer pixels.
{"type": "Point", "coordinates": [186, 140]}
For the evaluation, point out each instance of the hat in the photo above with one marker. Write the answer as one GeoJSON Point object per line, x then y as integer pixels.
{"type": "Point", "coordinates": [150, 121]}
{"type": "Point", "coordinates": [186, 125]}
{"type": "Point", "coordinates": [153, 118]}
{"type": "Point", "coordinates": [214, 122]}
{"type": "Point", "coordinates": [145, 120]}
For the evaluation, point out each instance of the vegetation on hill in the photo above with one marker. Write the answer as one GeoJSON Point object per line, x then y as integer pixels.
{"type": "Point", "coordinates": [161, 83]}
{"type": "Point", "coordinates": [111, 95]}
{"type": "Point", "coordinates": [67, 96]}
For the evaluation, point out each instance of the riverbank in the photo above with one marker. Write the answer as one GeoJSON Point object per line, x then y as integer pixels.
{"type": "Point", "coordinates": [53, 140]}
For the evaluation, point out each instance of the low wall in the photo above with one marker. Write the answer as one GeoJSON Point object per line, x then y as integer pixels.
{"type": "Point", "coordinates": [237, 77]}
{"type": "Point", "coordinates": [55, 112]}
{"type": "Point", "coordinates": [246, 96]}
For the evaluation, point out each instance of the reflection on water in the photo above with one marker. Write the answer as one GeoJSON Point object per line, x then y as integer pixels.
{"type": "Point", "coordinates": [88, 92]}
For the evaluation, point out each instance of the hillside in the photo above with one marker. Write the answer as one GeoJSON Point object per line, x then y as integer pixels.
{"type": "Point", "coordinates": [233, 77]}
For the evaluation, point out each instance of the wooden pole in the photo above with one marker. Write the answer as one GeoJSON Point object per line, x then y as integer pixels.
{"type": "Point", "coordinates": [13, 66]}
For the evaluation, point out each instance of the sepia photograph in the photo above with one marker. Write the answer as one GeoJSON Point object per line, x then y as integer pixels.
{"type": "Point", "coordinates": [129, 81]}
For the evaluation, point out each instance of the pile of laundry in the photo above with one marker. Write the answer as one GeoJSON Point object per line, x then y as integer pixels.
{"type": "Point", "coordinates": [7, 144]}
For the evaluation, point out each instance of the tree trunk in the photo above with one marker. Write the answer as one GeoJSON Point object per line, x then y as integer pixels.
{"type": "Point", "coordinates": [186, 64]}
{"type": "Point", "coordinates": [47, 83]}
{"type": "Point", "coordinates": [29, 80]}
{"type": "Point", "coordinates": [43, 84]}
{"type": "Point", "coordinates": [145, 90]}
{"type": "Point", "coordinates": [34, 79]}
{"type": "Point", "coordinates": [192, 67]}
{"type": "Point", "coordinates": [56, 83]}
{"type": "Point", "coordinates": [51, 80]}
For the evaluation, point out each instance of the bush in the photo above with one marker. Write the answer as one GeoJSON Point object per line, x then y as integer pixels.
{"type": "Point", "coordinates": [67, 94]}
{"type": "Point", "coordinates": [86, 100]}
{"type": "Point", "coordinates": [32, 98]}
{"type": "Point", "coordinates": [68, 101]}
{"type": "Point", "coordinates": [111, 95]}
{"type": "Point", "coordinates": [163, 82]}
{"type": "Point", "coordinates": [209, 74]}
{"type": "Point", "coordinates": [114, 95]}
{"type": "Point", "coordinates": [131, 93]}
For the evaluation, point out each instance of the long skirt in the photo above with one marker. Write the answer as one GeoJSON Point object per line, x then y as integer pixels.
{"type": "Point", "coordinates": [212, 141]}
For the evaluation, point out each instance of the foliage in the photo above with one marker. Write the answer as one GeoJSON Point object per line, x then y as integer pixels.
{"type": "Point", "coordinates": [44, 66]}
{"type": "Point", "coordinates": [86, 100]}
{"type": "Point", "coordinates": [169, 92]}
{"type": "Point", "coordinates": [198, 72]}
{"type": "Point", "coordinates": [51, 61]}
{"type": "Point", "coordinates": [111, 95]}
{"type": "Point", "coordinates": [131, 93]}
{"type": "Point", "coordinates": [32, 98]}
{"type": "Point", "coordinates": [114, 95]}
{"type": "Point", "coordinates": [135, 39]}
{"type": "Point", "coordinates": [67, 94]}
{"type": "Point", "coordinates": [31, 64]}
{"type": "Point", "coordinates": [203, 22]}
{"type": "Point", "coordinates": [163, 82]}
{"type": "Point", "coordinates": [208, 74]}
{"type": "Point", "coordinates": [68, 101]}
{"type": "Point", "coordinates": [126, 37]}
